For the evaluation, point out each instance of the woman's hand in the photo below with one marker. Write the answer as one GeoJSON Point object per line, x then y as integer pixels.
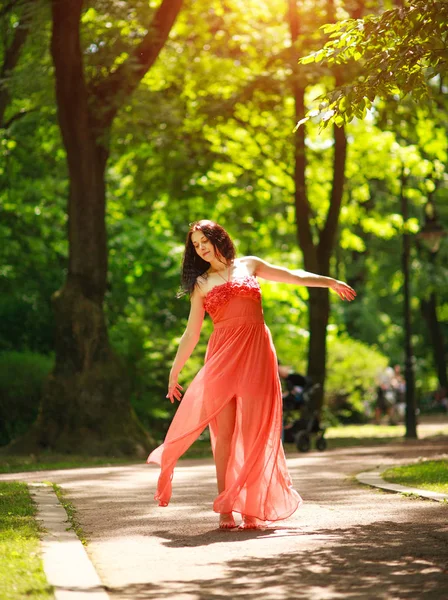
{"type": "Point", "coordinates": [344, 291]}
{"type": "Point", "coordinates": [174, 389]}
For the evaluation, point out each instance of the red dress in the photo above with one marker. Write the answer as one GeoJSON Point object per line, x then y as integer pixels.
{"type": "Point", "coordinates": [240, 363]}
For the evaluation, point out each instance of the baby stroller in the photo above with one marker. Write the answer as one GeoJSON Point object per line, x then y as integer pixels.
{"type": "Point", "coordinates": [297, 402]}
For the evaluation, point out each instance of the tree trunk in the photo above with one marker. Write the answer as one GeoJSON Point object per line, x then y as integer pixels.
{"type": "Point", "coordinates": [85, 406]}
{"type": "Point", "coordinates": [319, 313]}
{"type": "Point", "coordinates": [429, 312]}
{"type": "Point", "coordinates": [86, 400]}
{"type": "Point", "coordinates": [316, 256]}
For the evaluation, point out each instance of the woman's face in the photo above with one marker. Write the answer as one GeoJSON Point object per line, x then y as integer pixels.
{"type": "Point", "coordinates": [203, 246]}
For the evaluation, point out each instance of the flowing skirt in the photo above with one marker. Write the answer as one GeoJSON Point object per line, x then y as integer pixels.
{"type": "Point", "coordinates": [240, 363]}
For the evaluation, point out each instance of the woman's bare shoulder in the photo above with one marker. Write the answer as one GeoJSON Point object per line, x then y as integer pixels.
{"type": "Point", "coordinates": [200, 286]}
{"type": "Point", "coordinates": [248, 264]}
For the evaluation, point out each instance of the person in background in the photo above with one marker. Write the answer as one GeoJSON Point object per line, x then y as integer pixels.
{"type": "Point", "coordinates": [385, 396]}
{"type": "Point", "coordinates": [399, 388]}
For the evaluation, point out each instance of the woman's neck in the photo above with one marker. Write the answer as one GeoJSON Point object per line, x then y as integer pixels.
{"type": "Point", "coordinates": [216, 265]}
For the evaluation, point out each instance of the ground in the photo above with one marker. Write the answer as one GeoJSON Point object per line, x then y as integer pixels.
{"type": "Point", "coordinates": [346, 541]}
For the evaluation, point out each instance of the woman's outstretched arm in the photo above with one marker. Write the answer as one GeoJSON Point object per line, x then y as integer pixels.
{"type": "Point", "coordinates": [187, 344]}
{"type": "Point", "coordinates": [298, 277]}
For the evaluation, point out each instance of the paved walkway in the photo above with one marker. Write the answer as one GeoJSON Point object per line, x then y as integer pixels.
{"type": "Point", "coordinates": [347, 541]}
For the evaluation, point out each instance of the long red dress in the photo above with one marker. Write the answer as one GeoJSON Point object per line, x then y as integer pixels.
{"type": "Point", "coordinates": [240, 363]}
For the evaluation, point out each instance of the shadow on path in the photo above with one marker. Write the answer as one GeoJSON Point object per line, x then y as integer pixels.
{"type": "Point", "coordinates": [384, 560]}
{"type": "Point", "coordinates": [217, 536]}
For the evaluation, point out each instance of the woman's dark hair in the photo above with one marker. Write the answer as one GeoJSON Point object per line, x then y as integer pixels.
{"type": "Point", "coordinates": [193, 265]}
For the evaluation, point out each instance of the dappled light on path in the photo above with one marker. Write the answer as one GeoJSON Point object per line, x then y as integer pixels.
{"type": "Point", "coordinates": [373, 561]}
{"type": "Point", "coordinates": [347, 541]}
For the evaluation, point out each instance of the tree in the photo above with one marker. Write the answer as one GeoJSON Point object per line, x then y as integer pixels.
{"type": "Point", "coordinates": [318, 245]}
{"type": "Point", "coordinates": [86, 399]}
{"type": "Point", "coordinates": [403, 51]}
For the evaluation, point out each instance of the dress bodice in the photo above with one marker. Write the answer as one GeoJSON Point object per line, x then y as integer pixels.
{"type": "Point", "coordinates": [218, 300]}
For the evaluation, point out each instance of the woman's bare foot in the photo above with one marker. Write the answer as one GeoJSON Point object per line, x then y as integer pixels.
{"type": "Point", "coordinates": [251, 523]}
{"type": "Point", "coordinates": [226, 521]}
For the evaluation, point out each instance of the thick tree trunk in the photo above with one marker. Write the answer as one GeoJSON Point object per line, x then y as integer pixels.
{"type": "Point", "coordinates": [85, 406]}
{"type": "Point", "coordinates": [86, 401]}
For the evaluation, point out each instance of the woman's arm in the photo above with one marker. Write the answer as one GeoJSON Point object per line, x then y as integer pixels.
{"type": "Point", "coordinates": [187, 344]}
{"type": "Point", "coordinates": [298, 277]}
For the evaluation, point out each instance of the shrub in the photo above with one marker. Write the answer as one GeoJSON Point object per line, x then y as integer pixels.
{"type": "Point", "coordinates": [21, 378]}
{"type": "Point", "coordinates": [352, 370]}
{"type": "Point", "coordinates": [147, 349]}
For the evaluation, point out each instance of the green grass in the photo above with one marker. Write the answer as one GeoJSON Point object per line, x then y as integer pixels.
{"type": "Point", "coordinates": [427, 475]}
{"type": "Point", "coordinates": [368, 431]}
{"type": "Point", "coordinates": [71, 513]}
{"type": "Point", "coordinates": [21, 572]}
{"type": "Point", "coordinates": [337, 437]}
{"type": "Point", "coordinates": [44, 462]}
{"type": "Point", "coordinates": [369, 435]}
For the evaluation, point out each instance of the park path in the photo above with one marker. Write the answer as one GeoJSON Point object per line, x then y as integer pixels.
{"type": "Point", "coordinates": [347, 541]}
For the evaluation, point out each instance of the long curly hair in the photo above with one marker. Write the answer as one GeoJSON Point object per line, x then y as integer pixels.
{"type": "Point", "coordinates": [193, 266]}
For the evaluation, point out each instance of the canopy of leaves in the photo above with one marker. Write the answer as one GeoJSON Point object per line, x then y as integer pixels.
{"type": "Point", "coordinates": [403, 51]}
{"type": "Point", "coordinates": [208, 133]}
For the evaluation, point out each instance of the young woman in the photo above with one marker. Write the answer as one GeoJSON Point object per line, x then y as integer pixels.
{"type": "Point", "coordinates": [237, 392]}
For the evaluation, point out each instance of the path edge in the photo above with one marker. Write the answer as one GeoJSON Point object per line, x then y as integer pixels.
{"type": "Point", "coordinates": [67, 565]}
{"type": "Point", "coordinates": [374, 479]}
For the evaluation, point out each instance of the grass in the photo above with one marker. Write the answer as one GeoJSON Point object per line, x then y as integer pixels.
{"type": "Point", "coordinates": [368, 435]}
{"type": "Point", "coordinates": [427, 475]}
{"type": "Point", "coordinates": [71, 513]}
{"type": "Point", "coordinates": [21, 571]}
{"type": "Point", "coordinates": [45, 462]}
{"type": "Point", "coordinates": [337, 437]}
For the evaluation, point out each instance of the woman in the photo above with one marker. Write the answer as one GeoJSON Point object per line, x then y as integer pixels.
{"type": "Point", "coordinates": [237, 392]}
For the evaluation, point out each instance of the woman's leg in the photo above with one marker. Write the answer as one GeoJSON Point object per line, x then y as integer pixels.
{"type": "Point", "coordinates": [250, 429]}
{"type": "Point", "coordinates": [225, 423]}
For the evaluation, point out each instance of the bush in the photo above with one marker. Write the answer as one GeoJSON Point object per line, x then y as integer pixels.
{"type": "Point", "coordinates": [352, 370]}
{"type": "Point", "coordinates": [147, 348]}
{"type": "Point", "coordinates": [22, 375]}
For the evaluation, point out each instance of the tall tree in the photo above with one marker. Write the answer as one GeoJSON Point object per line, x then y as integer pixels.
{"type": "Point", "coordinates": [317, 246]}
{"type": "Point", "coordinates": [86, 399]}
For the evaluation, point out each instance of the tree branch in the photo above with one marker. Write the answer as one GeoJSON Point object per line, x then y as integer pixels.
{"type": "Point", "coordinates": [111, 92]}
{"type": "Point", "coordinates": [301, 202]}
{"type": "Point", "coordinates": [7, 8]}
{"type": "Point", "coordinates": [7, 124]}
{"type": "Point", "coordinates": [12, 53]}
{"type": "Point", "coordinates": [11, 57]}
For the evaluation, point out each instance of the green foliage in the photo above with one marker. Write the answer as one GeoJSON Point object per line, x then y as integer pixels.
{"type": "Point", "coordinates": [400, 52]}
{"type": "Point", "coordinates": [21, 570]}
{"type": "Point", "coordinates": [209, 134]}
{"type": "Point", "coordinates": [33, 244]}
{"type": "Point", "coordinates": [352, 371]}
{"type": "Point", "coordinates": [21, 379]}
